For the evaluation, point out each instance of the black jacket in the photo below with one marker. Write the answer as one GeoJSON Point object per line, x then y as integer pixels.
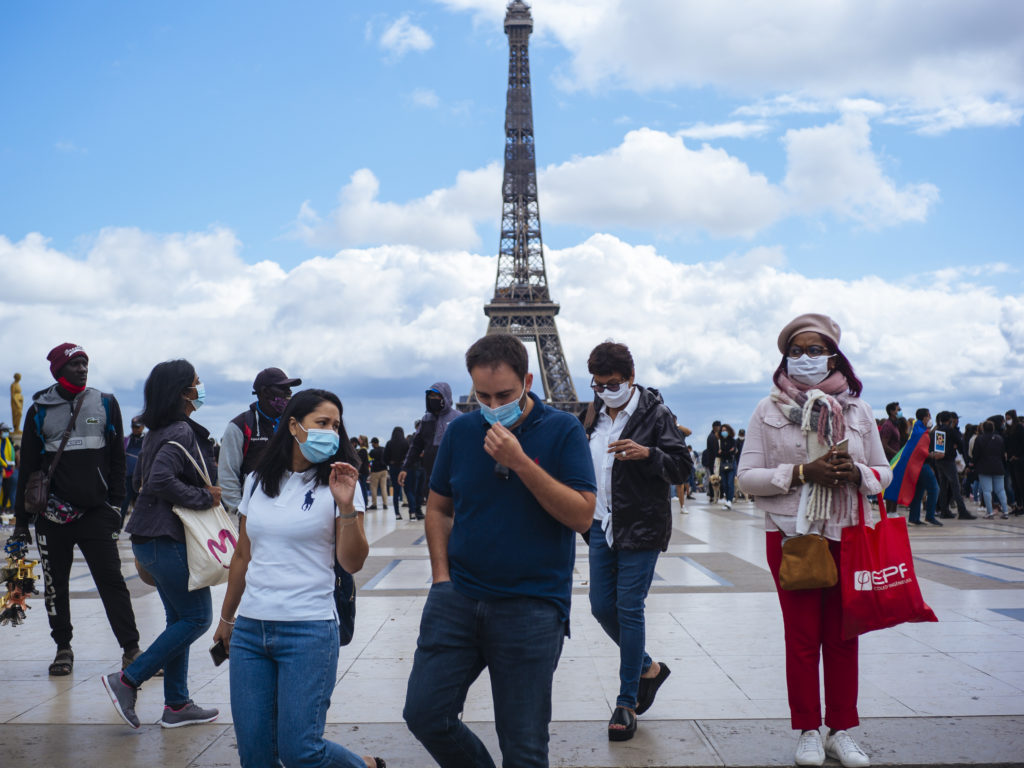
{"type": "Point", "coordinates": [641, 508]}
{"type": "Point", "coordinates": [988, 454]}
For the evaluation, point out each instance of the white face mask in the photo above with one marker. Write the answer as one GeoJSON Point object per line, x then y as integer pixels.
{"type": "Point", "coordinates": [808, 370]}
{"type": "Point", "coordinates": [619, 398]}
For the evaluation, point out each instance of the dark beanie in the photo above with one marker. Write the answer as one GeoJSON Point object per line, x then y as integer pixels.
{"type": "Point", "coordinates": [62, 354]}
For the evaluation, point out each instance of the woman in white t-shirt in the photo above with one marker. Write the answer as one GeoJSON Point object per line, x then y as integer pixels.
{"type": "Point", "coordinates": [298, 512]}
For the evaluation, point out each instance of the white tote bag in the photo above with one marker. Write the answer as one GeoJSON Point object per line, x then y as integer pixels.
{"type": "Point", "coordinates": [210, 536]}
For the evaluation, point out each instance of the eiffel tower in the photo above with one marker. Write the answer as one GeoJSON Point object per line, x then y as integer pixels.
{"type": "Point", "coordinates": [522, 304]}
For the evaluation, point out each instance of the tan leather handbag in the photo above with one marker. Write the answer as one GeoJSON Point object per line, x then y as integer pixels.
{"type": "Point", "coordinates": [807, 563]}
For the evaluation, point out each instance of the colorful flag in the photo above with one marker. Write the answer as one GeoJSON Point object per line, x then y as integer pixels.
{"type": "Point", "coordinates": [906, 465]}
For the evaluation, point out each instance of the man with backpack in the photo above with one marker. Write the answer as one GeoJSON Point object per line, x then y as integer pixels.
{"type": "Point", "coordinates": [249, 432]}
{"type": "Point", "coordinates": [73, 435]}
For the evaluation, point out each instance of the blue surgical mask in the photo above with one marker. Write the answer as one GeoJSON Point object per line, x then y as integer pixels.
{"type": "Point", "coordinates": [320, 445]}
{"type": "Point", "coordinates": [506, 415]}
{"type": "Point", "coordinates": [200, 389]}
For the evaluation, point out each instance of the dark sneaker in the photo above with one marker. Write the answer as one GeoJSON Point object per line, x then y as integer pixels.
{"type": "Point", "coordinates": [123, 697]}
{"type": "Point", "coordinates": [933, 521]}
{"type": "Point", "coordinates": [190, 714]}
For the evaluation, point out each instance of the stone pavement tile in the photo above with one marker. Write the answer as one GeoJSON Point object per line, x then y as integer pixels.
{"type": "Point", "coordinates": [97, 746]}
{"type": "Point", "coordinates": [982, 741]}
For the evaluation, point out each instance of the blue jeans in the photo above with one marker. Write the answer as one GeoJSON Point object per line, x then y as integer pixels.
{"type": "Point", "coordinates": [926, 482]}
{"type": "Point", "coordinates": [282, 675]}
{"type": "Point", "coordinates": [993, 484]}
{"type": "Point", "coordinates": [519, 640]}
{"type": "Point", "coordinates": [413, 478]}
{"type": "Point", "coordinates": [188, 616]}
{"type": "Point", "coordinates": [619, 581]}
{"type": "Point", "coordinates": [728, 484]}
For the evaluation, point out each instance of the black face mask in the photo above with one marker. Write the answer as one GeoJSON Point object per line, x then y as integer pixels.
{"type": "Point", "coordinates": [434, 405]}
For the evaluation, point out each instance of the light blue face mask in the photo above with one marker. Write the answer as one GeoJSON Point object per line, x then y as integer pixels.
{"type": "Point", "coordinates": [320, 445]}
{"type": "Point", "coordinates": [506, 415]}
{"type": "Point", "coordinates": [200, 389]}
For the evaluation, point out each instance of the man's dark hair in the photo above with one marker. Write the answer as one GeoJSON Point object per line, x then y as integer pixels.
{"type": "Point", "coordinates": [163, 403]}
{"type": "Point", "coordinates": [715, 424]}
{"type": "Point", "coordinates": [942, 417]}
{"type": "Point", "coordinates": [921, 413]}
{"type": "Point", "coordinates": [892, 408]}
{"type": "Point", "coordinates": [608, 358]}
{"type": "Point", "coordinates": [497, 348]}
{"type": "Point", "coordinates": [989, 426]}
{"type": "Point", "coordinates": [277, 456]}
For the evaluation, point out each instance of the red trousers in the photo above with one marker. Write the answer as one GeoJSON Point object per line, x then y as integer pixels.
{"type": "Point", "coordinates": [813, 623]}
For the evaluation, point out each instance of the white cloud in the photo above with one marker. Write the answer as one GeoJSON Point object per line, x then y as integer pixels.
{"type": "Point", "coordinates": [652, 181]}
{"type": "Point", "coordinates": [403, 36]}
{"type": "Point", "coordinates": [948, 63]}
{"type": "Point", "coordinates": [735, 129]}
{"type": "Point", "coordinates": [446, 218]}
{"type": "Point", "coordinates": [832, 168]}
{"type": "Point", "coordinates": [425, 97]}
{"type": "Point", "coordinates": [399, 311]}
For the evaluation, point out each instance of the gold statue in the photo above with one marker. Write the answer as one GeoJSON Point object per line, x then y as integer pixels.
{"type": "Point", "coordinates": [17, 401]}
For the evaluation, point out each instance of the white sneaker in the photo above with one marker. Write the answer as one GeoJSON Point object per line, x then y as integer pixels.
{"type": "Point", "coordinates": [727, 504]}
{"type": "Point", "coordinates": [809, 750]}
{"type": "Point", "coordinates": [843, 748]}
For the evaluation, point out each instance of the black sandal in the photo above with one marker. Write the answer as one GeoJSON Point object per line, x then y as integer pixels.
{"type": "Point", "coordinates": [63, 663]}
{"type": "Point", "coordinates": [626, 718]}
{"type": "Point", "coordinates": [380, 762]}
{"type": "Point", "coordinates": [649, 688]}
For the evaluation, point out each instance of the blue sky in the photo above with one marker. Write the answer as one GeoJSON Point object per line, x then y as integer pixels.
{"type": "Point", "coordinates": [315, 186]}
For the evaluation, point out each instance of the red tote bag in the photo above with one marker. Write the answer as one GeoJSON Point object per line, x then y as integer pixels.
{"type": "Point", "coordinates": [879, 587]}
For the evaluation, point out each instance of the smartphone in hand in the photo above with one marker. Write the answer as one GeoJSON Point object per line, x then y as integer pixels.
{"type": "Point", "coordinates": [843, 446]}
{"type": "Point", "coordinates": [218, 653]}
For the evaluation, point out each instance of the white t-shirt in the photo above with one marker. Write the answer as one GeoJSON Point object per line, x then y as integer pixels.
{"type": "Point", "coordinates": [292, 541]}
{"type": "Point", "coordinates": [607, 431]}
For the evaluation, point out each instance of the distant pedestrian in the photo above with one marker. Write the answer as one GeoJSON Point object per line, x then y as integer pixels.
{"type": "Point", "coordinates": [250, 431]}
{"type": "Point", "coordinates": [378, 475]}
{"type": "Point", "coordinates": [132, 449]}
{"type": "Point", "coordinates": [988, 459]}
{"type": "Point", "coordinates": [6, 468]}
{"type": "Point", "coordinates": [425, 442]}
{"type": "Point", "coordinates": [394, 454]}
{"type": "Point", "coordinates": [727, 464]}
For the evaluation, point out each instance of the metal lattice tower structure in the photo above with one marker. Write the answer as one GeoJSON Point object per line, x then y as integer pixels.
{"type": "Point", "coordinates": [522, 304]}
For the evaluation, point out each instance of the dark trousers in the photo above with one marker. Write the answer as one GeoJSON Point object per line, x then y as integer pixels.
{"type": "Point", "coordinates": [96, 534]}
{"type": "Point", "coordinates": [413, 479]}
{"type": "Point", "coordinates": [518, 640]}
{"type": "Point", "coordinates": [1015, 469]}
{"type": "Point", "coordinates": [396, 489]}
{"type": "Point", "coordinates": [7, 492]}
{"type": "Point", "coordinates": [949, 488]}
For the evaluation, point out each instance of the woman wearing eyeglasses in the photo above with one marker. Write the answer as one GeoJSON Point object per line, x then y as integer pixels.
{"type": "Point", "coordinates": [793, 465]}
{"type": "Point", "coordinates": [638, 453]}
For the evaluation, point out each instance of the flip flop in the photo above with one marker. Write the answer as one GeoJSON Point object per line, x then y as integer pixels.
{"type": "Point", "coordinates": [649, 688]}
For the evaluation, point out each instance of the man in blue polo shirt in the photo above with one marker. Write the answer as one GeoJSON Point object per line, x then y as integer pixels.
{"type": "Point", "coordinates": [512, 485]}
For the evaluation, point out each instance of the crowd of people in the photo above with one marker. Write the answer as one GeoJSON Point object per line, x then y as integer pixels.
{"type": "Point", "coordinates": [506, 489]}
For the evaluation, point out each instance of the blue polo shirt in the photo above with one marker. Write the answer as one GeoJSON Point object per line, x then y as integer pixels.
{"type": "Point", "coordinates": [503, 543]}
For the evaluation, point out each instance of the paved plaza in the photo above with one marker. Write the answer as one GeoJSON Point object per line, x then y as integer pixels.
{"type": "Point", "coordinates": [950, 693]}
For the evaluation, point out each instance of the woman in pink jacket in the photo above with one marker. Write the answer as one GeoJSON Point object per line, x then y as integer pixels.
{"type": "Point", "coordinates": [794, 466]}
